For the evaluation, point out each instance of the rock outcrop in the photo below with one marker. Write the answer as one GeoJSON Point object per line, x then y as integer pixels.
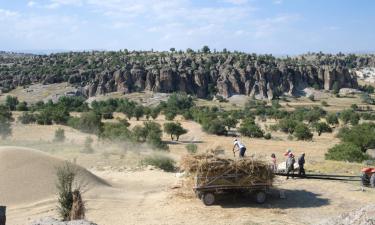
{"type": "Point", "coordinates": [199, 74]}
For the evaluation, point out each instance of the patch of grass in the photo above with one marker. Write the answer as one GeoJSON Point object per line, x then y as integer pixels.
{"type": "Point", "coordinates": [191, 148]}
{"type": "Point", "coordinates": [160, 161]}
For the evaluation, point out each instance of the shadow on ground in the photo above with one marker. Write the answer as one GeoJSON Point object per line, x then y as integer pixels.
{"type": "Point", "coordinates": [294, 199]}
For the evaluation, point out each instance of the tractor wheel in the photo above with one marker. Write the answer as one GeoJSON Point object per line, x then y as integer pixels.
{"type": "Point", "coordinates": [365, 179]}
{"type": "Point", "coordinates": [260, 197]}
{"type": "Point", "coordinates": [208, 198]}
{"type": "Point", "coordinates": [372, 180]}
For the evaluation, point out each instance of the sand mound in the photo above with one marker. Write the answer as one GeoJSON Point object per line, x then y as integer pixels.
{"type": "Point", "coordinates": [28, 175]}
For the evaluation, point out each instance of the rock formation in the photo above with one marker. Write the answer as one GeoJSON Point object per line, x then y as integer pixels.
{"type": "Point", "coordinates": [200, 74]}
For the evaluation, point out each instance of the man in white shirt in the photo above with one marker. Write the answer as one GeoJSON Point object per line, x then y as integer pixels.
{"type": "Point", "coordinates": [240, 147]}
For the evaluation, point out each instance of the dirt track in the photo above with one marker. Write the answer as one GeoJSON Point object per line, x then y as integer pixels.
{"type": "Point", "coordinates": [145, 197]}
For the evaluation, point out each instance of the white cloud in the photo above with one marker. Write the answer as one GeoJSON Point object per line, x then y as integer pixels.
{"type": "Point", "coordinates": [266, 27]}
{"type": "Point", "coordinates": [31, 4]}
{"type": "Point", "coordinates": [278, 2]}
{"type": "Point", "coordinates": [236, 2]}
{"type": "Point", "coordinates": [8, 13]}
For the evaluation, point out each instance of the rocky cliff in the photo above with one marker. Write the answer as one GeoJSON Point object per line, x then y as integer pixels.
{"type": "Point", "coordinates": [200, 74]}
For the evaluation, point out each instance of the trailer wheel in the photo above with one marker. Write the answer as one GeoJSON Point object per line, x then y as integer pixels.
{"type": "Point", "coordinates": [372, 180]}
{"type": "Point", "coordinates": [260, 197]}
{"type": "Point", "coordinates": [208, 198]}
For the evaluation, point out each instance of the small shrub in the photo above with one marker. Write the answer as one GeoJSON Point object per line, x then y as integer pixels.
{"type": "Point", "coordinates": [312, 98]}
{"type": "Point", "coordinates": [332, 119]}
{"type": "Point", "coordinates": [302, 132]}
{"type": "Point", "coordinates": [5, 127]}
{"type": "Point", "coordinates": [59, 135]}
{"type": "Point", "coordinates": [65, 179]}
{"type": "Point", "coordinates": [287, 125]}
{"type": "Point", "coordinates": [160, 161]}
{"type": "Point", "coordinates": [325, 104]}
{"type": "Point", "coordinates": [267, 136]}
{"type": "Point", "coordinates": [191, 148]}
{"type": "Point", "coordinates": [27, 118]}
{"type": "Point", "coordinates": [346, 152]}
{"type": "Point", "coordinates": [215, 126]}
{"type": "Point", "coordinates": [88, 145]}
{"type": "Point", "coordinates": [250, 129]}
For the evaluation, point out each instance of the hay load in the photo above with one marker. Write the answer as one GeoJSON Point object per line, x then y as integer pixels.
{"type": "Point", "coordinates": [210, 169]}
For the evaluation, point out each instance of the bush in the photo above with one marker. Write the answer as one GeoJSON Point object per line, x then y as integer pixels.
{"type": "Point", "coordinates": [151, 133]}
{"type": "Point", "coordinates": [215, 126]}
{"type": "Point", "coordinates": [346, 152]}
{"type": "Point", "coordinates": [88, 145]}
{"type": "Point", "coordinates": [65, 179]}
{"type": "Point", "coordinates": [322, 128]}
{"type": "Point", "coordinates": [160, 161]}
{"type": "Point", "coordinates": [230, 122]}
{"type": "Point", "coordinates": [349, 116]}
{"type": "Point", "coordinates": [115, 132]}
{"type": "Point", "coordinates": [250, 129]}
{"type": "Point", "coordinates": [287, 125]}
{"type": "Point", "coordinates": [22, 106]}
{"type": "Point", "coordinates": [302, 132]}
{"type": "Point", "coordinates": [191, 148]}
{"type": "Point", "coordinates": [362, 135]}
{"type": "Point", "coordinates": [312, 98]}
{"type": "Point", "coordinates": [27, 118]}
{"type": "Point", "coordinates": [11, 102]}
{"type": "Point", "coordinates": [5, 127]}
{"type": "Point", "coordinates": [89, 122]}
{"type": "Point", "coordinates": [332, 119]}
{"type": "Point", "coordinates": [325, 104]}
{"type": "Point", "coordinates": [59, 135]}
{"type": "Point", "coordinates": [174, 129]}
{"type": "Point", "coordinates": [267, 136]}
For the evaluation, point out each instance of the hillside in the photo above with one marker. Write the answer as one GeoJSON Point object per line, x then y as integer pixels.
{"type": "Point", "coordinates": [201, 73]}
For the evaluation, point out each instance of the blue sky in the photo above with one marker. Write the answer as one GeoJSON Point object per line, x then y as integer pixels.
{"type": "Point", "coordinates": [261, 26]}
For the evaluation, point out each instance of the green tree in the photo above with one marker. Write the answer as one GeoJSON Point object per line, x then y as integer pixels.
{"type": "Point", "coordinates": [206, 49]}
{"type": "Point", "coordinates": [250, 129]}
{"type": "Point", "coordinates": [287, 125]}
{"type": "Point", "coordinates": [332, 119]}
{"type": "Point", "coordinates": [302, 132]}
{"type": "Point", "coordinates": [138, 112]}
{"type": "Point", "coordinates": [362, 135]}
{"type": "Point", "coordinates": [11, 102]}
{"type": "Point", "coordinates": [230, 122]}
{"type": "Point", "coordinates": [346, 152]}
{"type": "Point", "coordinates": [174, 130]}
{"type": "Point", "coordinates": [322, 127]}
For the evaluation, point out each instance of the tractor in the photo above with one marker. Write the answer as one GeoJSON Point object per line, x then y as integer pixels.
{"type": "Point", "coordinates": [368, 177]}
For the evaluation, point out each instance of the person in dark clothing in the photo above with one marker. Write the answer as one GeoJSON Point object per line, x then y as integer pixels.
{"type": "Point", "coordinates": [290, 165]}
{"type": "Point", "coordinates": [301, 164]}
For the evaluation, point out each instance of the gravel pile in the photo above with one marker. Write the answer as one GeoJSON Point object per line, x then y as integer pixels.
{"type": "Point", "coordinates": [362, 216]}
{"type": "Point", "coordinates": [51, 221]}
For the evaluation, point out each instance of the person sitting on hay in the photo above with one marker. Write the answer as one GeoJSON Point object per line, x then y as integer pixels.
{"type": "Point", "coordinates": [238, 146]}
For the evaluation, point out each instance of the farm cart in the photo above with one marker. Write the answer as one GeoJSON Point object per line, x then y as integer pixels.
{"type": "Point", "coordinates": [206, 188]}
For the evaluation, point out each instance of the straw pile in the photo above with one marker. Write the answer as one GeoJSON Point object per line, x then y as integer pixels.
{"type": "Point", "coordinates": [213, 170]}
